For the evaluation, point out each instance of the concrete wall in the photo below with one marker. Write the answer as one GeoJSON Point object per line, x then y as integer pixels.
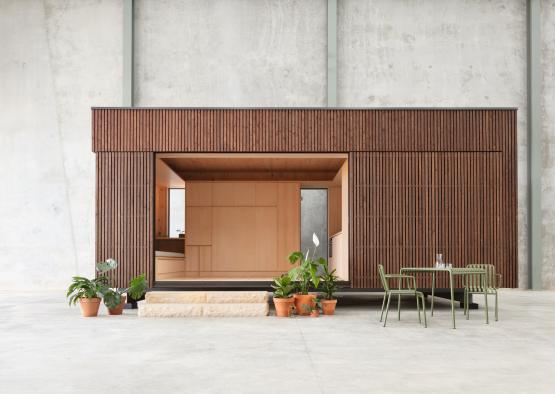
{"type": "Point", "coordinates": [59, 58]}
{"type": "Point", "coordinates": [438, 54]}
{"type": "Point", "coordinates": [548, 143]}
{"type": "Point", "coordinates": [231, 53]}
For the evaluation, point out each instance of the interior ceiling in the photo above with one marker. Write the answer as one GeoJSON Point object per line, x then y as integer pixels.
{"type": "Point", "coordinates": [256, 168]}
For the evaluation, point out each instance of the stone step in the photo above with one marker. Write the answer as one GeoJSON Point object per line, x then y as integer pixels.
{"type": "Point", "coordinates": [226, 309]}
{"type": "Point", "coordinates": [206, 297]}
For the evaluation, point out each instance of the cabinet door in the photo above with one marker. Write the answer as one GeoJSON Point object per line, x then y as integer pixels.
{"type": "Point", "coordinates": [198, 226]}
{"type": "Point", "coordinates": [266, 194]}
{"type": "Point", "coordinates": [198, 194]}
{"type": "Point", "coordinates": [233, 194]}
{"type": "Point", "coordinates": [234, 238]}
{"type": "Point", "coordinates": [223, 194]}
{"type": "Point", "coordinates": [192, 258]}
{"type": "Point", "coordinates": [243, 194]}
{"type": "Point", "coordinates": [265, 241]}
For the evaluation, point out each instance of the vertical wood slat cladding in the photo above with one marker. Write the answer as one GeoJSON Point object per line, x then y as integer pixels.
{"type": "Point", "coordinates": [124, 203]}
{"type": "Point", "coordinates": [408, 206]}
{"type": "Point", "coordinates": [293, 130]}
{"type": "Point", "coordinates": [421, 181]}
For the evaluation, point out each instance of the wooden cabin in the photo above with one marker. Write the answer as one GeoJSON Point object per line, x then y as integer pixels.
{"type": "Point", "coordinates": [218, 198]}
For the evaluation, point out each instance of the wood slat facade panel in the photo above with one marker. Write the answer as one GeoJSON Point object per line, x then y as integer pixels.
{"type": "Point", "coordinates": [421, 181]}
{"type": "Point", "coordinates": [293, 130]}
{"type": "Point", "coordinates": [408, 206]}
{"type": "Point", "coordinates": [124, 213]}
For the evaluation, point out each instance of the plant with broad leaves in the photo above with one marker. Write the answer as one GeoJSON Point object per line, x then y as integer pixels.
{"type": "Point", "coordinates": [283, 286]}
{"type": "Point", "coordinates": [317, 304]}
{"type": "Point", "coordinates": [137, 287]}
{"type": "Point", "coordinates": [81, 287]}
{"type": "Point", "coordinates": [328, 279]}
{"type": "Point", "coordinates": [306, 272]}
{"type": "Point", "coordinates": [107, 265]}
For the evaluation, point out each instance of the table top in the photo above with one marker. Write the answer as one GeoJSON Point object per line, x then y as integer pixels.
{"type": "Point", "coordinates": [454, 270]}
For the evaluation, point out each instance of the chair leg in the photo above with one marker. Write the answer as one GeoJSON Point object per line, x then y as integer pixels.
{"type": "Point", "coordinates": [467, 306]}
{"type": "Point", "coordinates": [383, 305]}
{"type": "Point", "coordinates": [424, 311]}
{"type": "Point", "coordinates": [464, 301]}
{"type": "Point", "coordinates": [399, 307]}
{"type": "Point", "coordinates": [387, 309]}
{"type": "Point", "coordinates": [418, 308]}
{"type": "Point", "coordinates": [496, 307]}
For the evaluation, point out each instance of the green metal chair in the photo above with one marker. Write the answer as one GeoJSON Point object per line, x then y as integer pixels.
{"type": "Point", "coordinates": [401, 291]}
{"type": "Point", "coordinates": [473, 285]}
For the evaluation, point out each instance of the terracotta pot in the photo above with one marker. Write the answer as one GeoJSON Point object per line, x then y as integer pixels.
{"type": "Point", "coordinates": [315, 313]}
{"type": "Point", "coordinates": [118, 309]}
{"type": "Point", "coordinates": [89, 306]}
{"type": "Point", "coordinates": [283, 306]}
{"type": "Point", "coordinates": [328, 306]}
{"type": "Point", "coordinates": [304, 304]}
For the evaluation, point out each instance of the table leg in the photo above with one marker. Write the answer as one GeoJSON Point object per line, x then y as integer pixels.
{"type": "Point", "coordinates": [433, 290]}
{"type": "Point", "coordinates": [399, 300]}
{"type": "Point", "coordinates": [484, 282]}
{"type": "Point", "coordinates": [452, 298]}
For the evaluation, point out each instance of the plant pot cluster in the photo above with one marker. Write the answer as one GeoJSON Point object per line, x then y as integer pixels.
{"type": "Point", "coordinates": [90, 292]}
{"type": "Point", "coordinates": [291, 290]}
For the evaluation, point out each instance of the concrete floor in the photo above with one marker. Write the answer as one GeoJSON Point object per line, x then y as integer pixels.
{"type": "Point", "coordinates": [46, 347]}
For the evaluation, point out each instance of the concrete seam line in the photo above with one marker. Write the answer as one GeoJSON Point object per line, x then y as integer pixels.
{"type": "Point", "coordinates": [332, 54]}
{"type": "Point", "coordinates": [61, 143]}
{"type": "Point", "coordinates": [128, 33]}
{"type": "Point", "coordinates": [534, 143]}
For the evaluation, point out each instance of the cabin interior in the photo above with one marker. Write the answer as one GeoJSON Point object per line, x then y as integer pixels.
{"type": "Point", "coordinates": [237, 217]}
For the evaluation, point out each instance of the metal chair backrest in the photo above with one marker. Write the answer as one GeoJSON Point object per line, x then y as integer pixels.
{"type": "Point", "coordinates": [475, 281]}
{"type": "Point", "coordinates": [383, 278]}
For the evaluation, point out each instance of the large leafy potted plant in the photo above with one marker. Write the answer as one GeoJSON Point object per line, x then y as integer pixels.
{"type": "Point", "coordinates": [305, 274]}
{"type": "Point", "coordinates": [115, 298]}
{"type": "Point", "coordinates": [328, 280]}
{"type": "Point", "coordinates": [88, 293]}
{"type": "Point", "coordinates": [283, 295]}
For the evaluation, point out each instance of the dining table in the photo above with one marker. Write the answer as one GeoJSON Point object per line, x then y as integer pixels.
{"type": "Point", "coordinates": [451, 272]}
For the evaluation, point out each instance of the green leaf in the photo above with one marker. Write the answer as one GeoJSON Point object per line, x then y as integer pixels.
{"type": "Point", "coordinates": [106, 265]}
{"type": "Point", "coordinates": [283, 286]}
{"type": "Point", "coordinates": [137, 287]}
{"type": "Point", "coordinates": [295, 256]}
{"type": "Point", "coordinates": [112, 299]}
{"type": "Point", "coordinates": [81, 287]}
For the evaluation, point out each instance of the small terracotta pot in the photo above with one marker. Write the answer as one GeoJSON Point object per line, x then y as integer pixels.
{"type": "Point", "coordinates": [283, 306]}
{"type": "Point", "coordinates": [315, 313]}
{"type": "Point", "coordinates": [304, 304]}
{"type": "Point", "coordinates": [328, 306]}
{"type": "Point", "coordinates": [89, 306]}
{"type": "Point", "coordinates": [118, 309]}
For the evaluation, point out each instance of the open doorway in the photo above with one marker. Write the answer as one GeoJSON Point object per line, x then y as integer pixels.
{"type": "Point", "coordinates": [243, 214]}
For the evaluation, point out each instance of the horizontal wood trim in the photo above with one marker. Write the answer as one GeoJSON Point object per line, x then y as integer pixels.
{"type": "Point", "coordinates": [296, 130]}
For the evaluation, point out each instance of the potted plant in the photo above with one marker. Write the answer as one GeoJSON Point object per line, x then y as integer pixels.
{"type": "Point", "coordinates": [283, 295]}
{"type": "Point", "coordinates": [88, 292]}
{"type": "Point", "coordinates": [328, 281]}
{"type": "Point", "coordinates": [315, 312]}
{"type": "Point", "coordinates": [115, 298]}
{"type": "Point", "coordinates": [305, 274]}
